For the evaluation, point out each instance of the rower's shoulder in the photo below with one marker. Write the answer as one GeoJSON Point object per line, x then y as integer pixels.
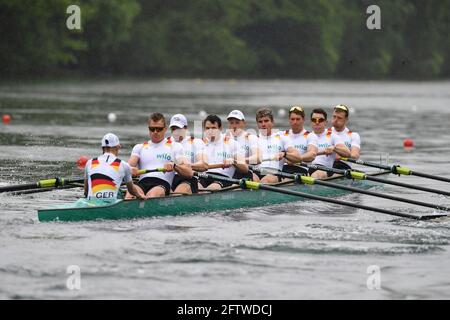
{"type": "Point", "coordinates": [353, 133]}
{"type": "Point", "coordinates": [142, 144]}
{"type": "Point", "coordinates": [196, 140]}
{"type": "Point", "coordinates": [251, 136]}
{"type": "Point", "coordinates": [313, 136]}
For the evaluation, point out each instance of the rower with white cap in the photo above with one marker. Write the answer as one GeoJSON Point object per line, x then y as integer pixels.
{"type": "Point", "coordinates": [248, 143]}
{"type": "Point", "coordinates": [104, 174]}
{"type": "Point", "coordinates": [193, 150]}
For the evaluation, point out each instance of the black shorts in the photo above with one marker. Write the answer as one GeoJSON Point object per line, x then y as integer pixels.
{"type": "Point", "coordinates": [239, 175]}
{"type": "Point", "coordinates": [192, 182]}
{"type": "Point", "coordinates": [205, 182]}
{"type": "Point", "coordinates": [311, 171]}
{"type": "Point", "coordinates": [149, 183]}
{"type": "Point", "coordinates": [295, 170]}
{"type": "Point", "coordinates": [260, 176]}
{"type": "Point", "coordinates": [341, 165]}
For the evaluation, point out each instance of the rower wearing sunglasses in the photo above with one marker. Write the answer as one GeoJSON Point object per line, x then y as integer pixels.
{"type": "Point", "coordinates": [350, 138]}
{"type": "Point", "coordinates": [302, 140]}
{"type": "Point", "coordinates": [158, 152]}
{"type": "Point", "coordinates": [329, 144]}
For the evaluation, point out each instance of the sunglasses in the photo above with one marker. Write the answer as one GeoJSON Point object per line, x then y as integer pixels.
{"type": "Point", "coordinates": [317, 120]}
{"type": "Point", "coordinates": [296, 108]}
{"type": "Point", "coordinates": [156, 129]}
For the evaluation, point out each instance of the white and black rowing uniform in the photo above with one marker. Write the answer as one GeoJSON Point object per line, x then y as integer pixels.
{"type": "Point", "coordinates": [192, 149]}
{"type": "Point", "coordinates": [155, 155]}
{"type": "Point", "coordinates": [246, 144]}
{"type": "Point", "coordinates": [216, 152]}
{"type": "Point", "coordinates": [270, 146]}
{"type": "Point", "coordinates": [325, 140]}
{"type": "Point", "coordinates": [351, 140]}
{"type": "Point", "coordinates": [105, 174]}
{"type": "Point", "coordinates": [300, 141]}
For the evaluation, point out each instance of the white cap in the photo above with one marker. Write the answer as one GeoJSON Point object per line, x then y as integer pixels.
{"type": "Point", "coordinates": [178, 120]}
{"type": "Point", "coordinates": [236, 114]}
{"type": "Point", "coordinates": [110, 140]}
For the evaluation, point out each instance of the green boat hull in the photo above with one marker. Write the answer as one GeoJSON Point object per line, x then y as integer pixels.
{"type": "Point", "coordinates": [190, 204]}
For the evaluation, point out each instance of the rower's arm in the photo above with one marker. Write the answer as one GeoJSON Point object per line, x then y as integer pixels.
{"type": "Point", "coordinates": [310, 154]}
{"type": "Point", "coordinates": [200, 164]}
{"type": "Point", "coordinates": [86, 183]}
{"type": "Point", "coordinates": [133, 162]}
{"type": "Point", "coordinates": [185, 170]}
{"type": "Point", "coordinates": [133, 190]}
{"type": "Point", "coordinates": [293, 155]}
{"type": "Point", "coordinates": [183, 167]}
{"type": "Point", "coordinates": [240, 164]}
{"type": "Point", "coordinates": [342, 150]}
{"type": "Point", "coordinates": [354, 153]}
{"type": "Point", "coordinates": [86, 188]}
{"type": "Point", "coordinates": [255, 158]}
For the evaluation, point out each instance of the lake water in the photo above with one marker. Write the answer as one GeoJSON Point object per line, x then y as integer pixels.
{"type": "Point", "coordinates": [302, 250]}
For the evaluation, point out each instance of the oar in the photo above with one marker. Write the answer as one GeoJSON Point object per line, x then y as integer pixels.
{"type": "Point", "coordinates": [57, 182]}
{"type": "Point", "coordinates": [351, 174]}
{"type": "Point", "coordinates": [48, 183]}
{"type": "Point", "coordinates": [215, 166]}
{"type": "Point", "coordinates": [309, 180]}
{"type": "Point", "coordinates": [246, 184]}
{"type": "Point", "coordinates": [151, 170]}
{"type": "Point", "coordinates": [397, 169]}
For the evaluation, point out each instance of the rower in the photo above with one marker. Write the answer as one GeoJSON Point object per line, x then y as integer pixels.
{"type": "Point", "coordinates": [302, 140]}
{"type": "Point", "coordinates": [329, 144]}
{"type": "Point", "coordinates": [248, 143]}
{"type": "Point", "coordinates": [105, 174]}
{"type": "Point", "coordinates": [220, 149]}
{"type": "Point", "coordinates": [351, 139]}
{"type": "Point", "coordinates": [275, 147]}
{"type": "Point", "coordinates": [158, 152]}
{"type": "Point", "coordinates": [193, 150]}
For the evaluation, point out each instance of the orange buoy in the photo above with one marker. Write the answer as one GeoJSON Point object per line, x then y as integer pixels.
{"type": "Point", "coordinates": [6, 119]}
{"type": "Point", "coordinates": [408, 143]}
{"type": "Point", "coordinates": [81, 162]}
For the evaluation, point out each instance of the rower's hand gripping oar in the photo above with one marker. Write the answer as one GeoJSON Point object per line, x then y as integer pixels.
{"type": "Point", "coordinates": [397, 169]}
{"type": "Point", "coordinates": [351, 174]}
{"type": "Point", "coordinates": [309, 180]}
{"type": "Point", "coordinates": [246, 184]}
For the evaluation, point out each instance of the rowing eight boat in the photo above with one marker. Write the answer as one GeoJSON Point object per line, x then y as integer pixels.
{"type": "Point", "coordinates": [224, 199]}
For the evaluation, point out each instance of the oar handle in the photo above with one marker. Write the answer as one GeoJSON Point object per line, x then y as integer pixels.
{"type": "Point", "coordinates": [215, 166]}
{"type": "Point", "coordinates": [144, 171]}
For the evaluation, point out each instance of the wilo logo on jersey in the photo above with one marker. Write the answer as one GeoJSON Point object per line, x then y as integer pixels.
{"type": "Point", "coordinates": [164, 156]}
{"type": "Point", "coordinates": [300, 147]}
{"type": "Point", "coordinates": [323, 145]}
{"type": "Point", "coordinates": [224, 154]}
{"type": "Point", "coordinates": [275, 147]}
